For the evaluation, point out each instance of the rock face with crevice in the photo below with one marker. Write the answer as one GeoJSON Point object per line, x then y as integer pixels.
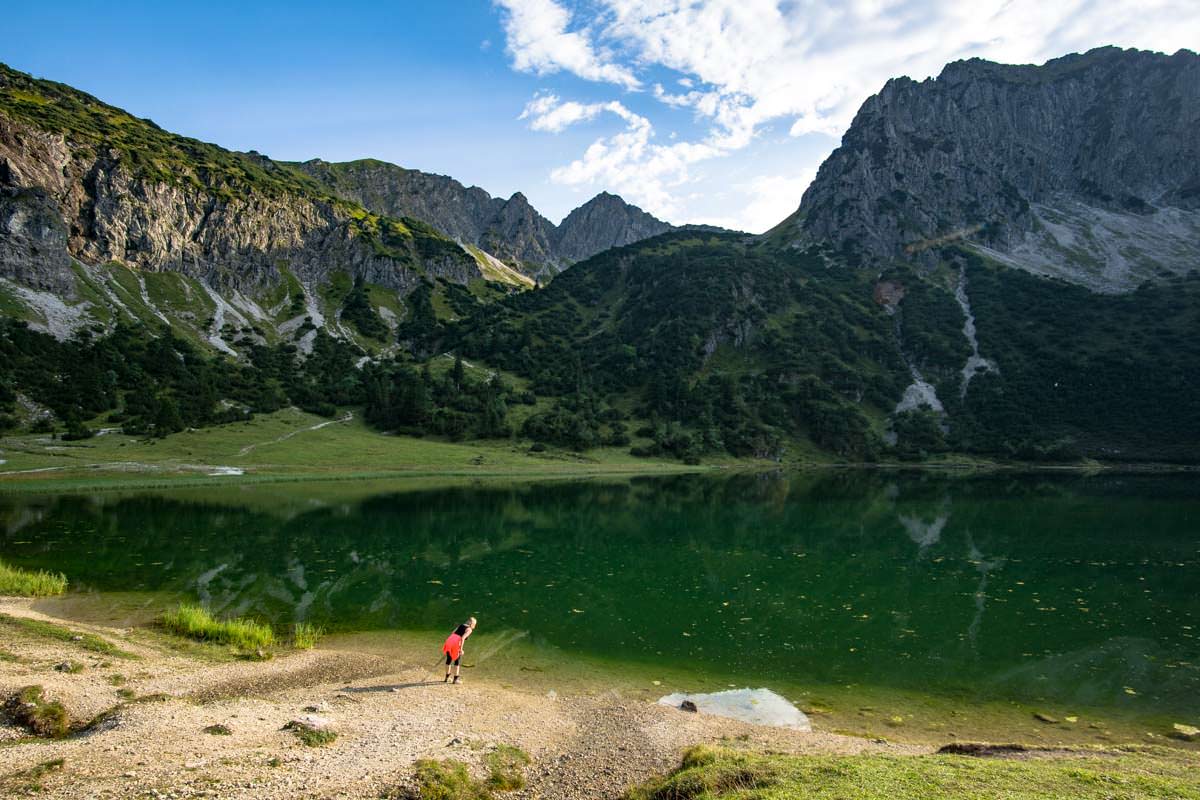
{"type": "Point", "coordinates": [1086, 168]}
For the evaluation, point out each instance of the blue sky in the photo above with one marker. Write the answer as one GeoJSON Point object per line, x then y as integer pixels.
{"type": "Point", "coordinates": [714, 111]}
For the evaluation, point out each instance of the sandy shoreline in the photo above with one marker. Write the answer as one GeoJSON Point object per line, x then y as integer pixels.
{"type": "Point", "coordinates": [583, 745]}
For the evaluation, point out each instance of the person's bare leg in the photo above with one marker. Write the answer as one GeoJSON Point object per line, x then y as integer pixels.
{"type": "Point", "coordinates": [457, 670]}
{"type": "Point", "coordinates": [447, 678]}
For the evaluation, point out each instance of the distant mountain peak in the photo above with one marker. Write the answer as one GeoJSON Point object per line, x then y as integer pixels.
{"type": "Point", "coordinates": [512, 230]}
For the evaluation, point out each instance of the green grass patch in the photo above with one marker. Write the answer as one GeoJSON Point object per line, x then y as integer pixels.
{"type": "Point", "coordinates": [12, 306]}
{"type": "Point", "coordinates": [30, 583]}
{"type": "Point", "coordinates": [305, 635]}
{"type": "Point", "coordinates": [708, 773]}
{"type": "Point", "coordinates": [447, 779]}
{"type": "Point", "coordinates": [506, 768]}
{"type": "Point", "coordinates": [30, 709]}
{"type": "Point", "coordinates": [48, 630]}
{"type": "Point", "coordinates": [196, 622]}
{"type": "Point", "coordinates": [313, 737]}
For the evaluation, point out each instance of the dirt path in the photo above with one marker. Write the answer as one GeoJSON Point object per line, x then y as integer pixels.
{"type": "Point", "coordinates": [245, 451]}
{"type": "Point", "coordinates": [582, 745]}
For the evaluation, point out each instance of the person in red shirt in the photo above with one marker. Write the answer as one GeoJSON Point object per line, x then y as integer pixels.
{"type": "Point", "coordinates": [453, 648]}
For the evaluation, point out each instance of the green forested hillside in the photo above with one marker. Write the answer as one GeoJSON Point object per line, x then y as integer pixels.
{"type": "Point", "coordinates": [690, 346]}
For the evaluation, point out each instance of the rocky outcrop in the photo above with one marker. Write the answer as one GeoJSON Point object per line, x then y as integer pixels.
{"type": "Point", "coordinates": [511, 229]}
{"type": "Point", "coordinates": [33, 240]}
{"type": "Point", "coordinates": [71, 189]}
{"type": "Point", "coordinates": [1087, 167]}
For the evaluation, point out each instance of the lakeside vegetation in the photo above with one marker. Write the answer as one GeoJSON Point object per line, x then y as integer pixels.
{"type": "Point", "coordinates": [711, 773]}
{"type": "Point", "coordinates": [198, 623]}
{"type": "Point", "coordinates": [30, 583]}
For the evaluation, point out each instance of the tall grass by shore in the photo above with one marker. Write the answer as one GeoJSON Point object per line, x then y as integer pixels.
{"type": "Point", "coordinates": [197, 622]}
{"type": "Point", "coordinates": [305, 635]}
{"type": "Point", "coordinates": [30, 583]}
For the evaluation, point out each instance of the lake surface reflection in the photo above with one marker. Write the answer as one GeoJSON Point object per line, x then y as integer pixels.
{"type": "Point", "coordinates": [1072, 589]}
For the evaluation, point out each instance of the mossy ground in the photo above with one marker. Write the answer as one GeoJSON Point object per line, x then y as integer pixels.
{"type": "Point", "coordinates": [46, 630]}
{"type": "Point", "coordinates": [31, 709]}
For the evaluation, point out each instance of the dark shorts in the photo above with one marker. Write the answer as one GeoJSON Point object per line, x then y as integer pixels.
{"type": "Point", "coordinates": [454, 662]}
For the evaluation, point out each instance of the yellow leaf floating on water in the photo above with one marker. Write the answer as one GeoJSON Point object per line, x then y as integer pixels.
{"type": "Point", "coordinates": [1072, 719]}
{"type": "Point", "coordinates": [576, 610]}
{"type": "Point", "coordinates": [436, 583]}
{"type": "Point", "coordinates": [1130, 690]}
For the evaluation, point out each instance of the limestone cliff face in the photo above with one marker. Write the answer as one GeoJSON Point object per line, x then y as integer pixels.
{"type": "Point", "coordinates": [154, 201]}
{"type": "Point", "coordinates": [1087, 167]}
{"type": "Point", "coordinates": [511, 229]}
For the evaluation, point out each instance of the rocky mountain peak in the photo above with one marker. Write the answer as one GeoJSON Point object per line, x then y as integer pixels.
{"type": "Point", "coordinates": [605, 221]}
{"type": "Point", "coordinates": [1086, 167]}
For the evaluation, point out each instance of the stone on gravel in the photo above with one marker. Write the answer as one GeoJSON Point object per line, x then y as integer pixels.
{"type": "Point", "coordinates": [1188, 733]}
{"type": "Point", "coordinates": [1046, 718]}
{"type": "Point", "coordinates": [688, 705]}
{"type": "Point", "coordinates": [310, 721]}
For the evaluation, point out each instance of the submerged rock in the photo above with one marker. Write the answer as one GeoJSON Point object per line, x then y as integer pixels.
{"type": "Point", "coordinates": [756, 706]}
{"type": "Point", "coordinates": [688, 705]}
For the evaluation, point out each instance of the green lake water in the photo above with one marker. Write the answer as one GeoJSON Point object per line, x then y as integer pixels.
{"type": "Point", "coordinates": [1073, 592]}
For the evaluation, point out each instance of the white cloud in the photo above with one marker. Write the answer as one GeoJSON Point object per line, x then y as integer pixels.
{"type": "Point", "coordinates": [539, 42]}
{"type": "Point", "coordinates": [546, 112]}
{"type": "Point", "coordinates": [744, 64]}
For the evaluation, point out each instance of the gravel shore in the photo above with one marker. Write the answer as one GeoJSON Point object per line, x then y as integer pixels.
{"type": "Point", "coordinates": [157, 700]}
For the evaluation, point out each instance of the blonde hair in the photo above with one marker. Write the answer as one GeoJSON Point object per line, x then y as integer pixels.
{"type": "Point", "coordinates": [471, 621]}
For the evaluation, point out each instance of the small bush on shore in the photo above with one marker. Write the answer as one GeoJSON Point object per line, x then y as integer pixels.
{"type": "Point", "coordinates": [506, 768]}
{"type": "Point", "coordinates": [197, 622]}
{"type": "Point", "coordinates": [30, 709]}
{"type": "Point", "coordinates": [447, 780]}
{"type": "Point", "coordinates": [313, 737]}
{"type": "Point", "coordinates": [305, 635]}
{"type": "Point", "coordinates": [30, 583]}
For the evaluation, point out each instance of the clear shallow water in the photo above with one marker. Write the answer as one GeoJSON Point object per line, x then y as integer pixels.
{"type": "Point", "coordinates": [1068, 590]}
